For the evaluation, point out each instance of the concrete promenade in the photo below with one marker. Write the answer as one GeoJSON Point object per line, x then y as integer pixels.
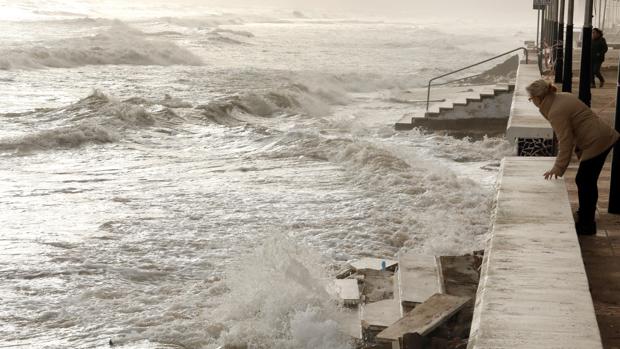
{"type": "Point", "coordinates": [601, 253]}
{"type": "Point", "coordinates": [533, 291]}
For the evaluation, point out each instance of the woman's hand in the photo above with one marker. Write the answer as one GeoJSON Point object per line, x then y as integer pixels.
{"type": "Point", "coordinates": [551, 173]}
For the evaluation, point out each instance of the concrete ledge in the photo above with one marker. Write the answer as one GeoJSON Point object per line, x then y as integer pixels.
{"type": "Point", "coordinates": [533, 290]}
{"type": "Point", "coordinates": [473, 126]}
{"type": "Point", "coordinates": [525, 121]}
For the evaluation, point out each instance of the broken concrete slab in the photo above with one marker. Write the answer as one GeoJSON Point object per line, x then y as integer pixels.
{"type": "Point", "coordinates": [379, 315]}
{"type": "Point", "coordinates": [424, 318]}
{"type": "Point", "coordinates": [348, 291]}
{"type": "Point", "coordinates": [378, 285]}
{"type": "Point", "coordinates": [373, 264]}
{"type": "Point", "coordinates": [419, 277]}
{"type": "Point", "coordinates": [350, 323]}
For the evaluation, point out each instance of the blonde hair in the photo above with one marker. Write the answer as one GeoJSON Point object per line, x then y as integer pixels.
{"type": "Point", "coordinates": [541, 88]}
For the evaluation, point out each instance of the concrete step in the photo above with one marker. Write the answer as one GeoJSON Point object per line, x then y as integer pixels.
{"type": "Point", "coordinates": [437, 110]}
{"type": "Point", "coordinates": [424, 318]}
{"type": "Point", "coordinates": [380, 315]}
{"type": "Point", "coordinates": [419, 277]}
{"type": "Point", "coordinates": [348, 291]}
{"type": "Point", "coordinates": [350, 323]}
{"type": "Point", "coordinates": [405, 123]}
{"type": "Point", "coordinates": [464, 101]}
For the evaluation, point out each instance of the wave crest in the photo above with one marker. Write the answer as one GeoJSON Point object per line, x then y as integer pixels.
{"type": "Point", "coordinates": [117, 45]}
{"type": "Point", "coordinates": [293, 99]}
{"type": "Point", "coordinates": [64, 137]}
{"type": "Point", "coordinates": [96, 119]}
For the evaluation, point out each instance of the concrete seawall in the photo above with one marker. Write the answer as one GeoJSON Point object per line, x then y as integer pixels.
{"type": "Point", "coordinates": [533, 290]}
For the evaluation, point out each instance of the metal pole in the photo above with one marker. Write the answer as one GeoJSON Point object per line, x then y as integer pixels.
{"type": "Point", "coordinates": [542, 40]}
{"type": "Point", "coordinates": [549, 36]}
{"type": "Point", "coordinates": [538, 28]}
{"type": "Point", "coordinates": [547, 32]}
{"type": "Point", "coordinates": [614, 186]}
{"type": "Point", "coordinates": [567, 83]}
{"type": "Point", "coordinates": [604, 14]}
{"type": "Point", "coordinates": [559, 61]}
{"type": "Point", "coordinates": [554, 31]}
{"type": "Point", "coordinates": [585, 76]}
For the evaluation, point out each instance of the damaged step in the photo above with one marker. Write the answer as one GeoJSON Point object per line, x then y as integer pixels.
{"type": "Point", "coordinates": [348, 291]}
{"type": "Point", "coordinates": [424, 318]}
{"type": "Point", "coordinates": [419, 277]}
{"type": "Point", "coordinates": [380, 315]}
{"type": "Point", "coordinates": [350, 322]}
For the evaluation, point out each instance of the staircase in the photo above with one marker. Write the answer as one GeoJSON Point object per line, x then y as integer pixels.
{"type": "Point", "coordinates": [470, 111]}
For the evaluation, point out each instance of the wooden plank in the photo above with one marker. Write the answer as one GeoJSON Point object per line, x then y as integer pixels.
{"type": "Point", "coordinates": [425, 317]}
{"type": "Point", "coordinates": [419, 277]}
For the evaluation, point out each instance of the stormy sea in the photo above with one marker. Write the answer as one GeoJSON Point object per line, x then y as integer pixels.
{"type": "Point", "coordinates": [192, 178]}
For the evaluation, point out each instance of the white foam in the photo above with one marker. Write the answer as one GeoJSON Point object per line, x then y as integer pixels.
{"type": "Point", "coordinates": [420, 203]}
{"type": "Point", "coordinates": [118, 45]}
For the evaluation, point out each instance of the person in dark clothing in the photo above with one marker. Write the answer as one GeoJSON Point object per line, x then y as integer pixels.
{"type": "Point", "coordinates": [599, 48]}
{"type": "Point", "coordinates": [580, 130]}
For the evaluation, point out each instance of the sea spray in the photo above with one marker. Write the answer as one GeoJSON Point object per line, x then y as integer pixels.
{"type": "Point", "coordinates": [156, 219]}
{"type": "Point", "coordinates": [278, 299]}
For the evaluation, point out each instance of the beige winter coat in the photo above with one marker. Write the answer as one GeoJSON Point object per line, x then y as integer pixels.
{"type": "Point", "coordinates": [576, 125]}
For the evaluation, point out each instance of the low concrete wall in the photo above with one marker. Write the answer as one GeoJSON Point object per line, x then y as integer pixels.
{"type": "Point", "coordinates": [533, 290]}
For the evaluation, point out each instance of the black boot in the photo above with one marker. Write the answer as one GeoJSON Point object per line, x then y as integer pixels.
{"type": "Point", "coordinates": [585, 228]}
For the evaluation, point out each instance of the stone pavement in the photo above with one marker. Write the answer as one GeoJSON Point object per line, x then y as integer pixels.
{"type": "Point", "coordinates": [601, 253]}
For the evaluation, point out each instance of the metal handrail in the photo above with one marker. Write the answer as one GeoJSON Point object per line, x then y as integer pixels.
{"type": "Point", "coordinates": [428, 92]}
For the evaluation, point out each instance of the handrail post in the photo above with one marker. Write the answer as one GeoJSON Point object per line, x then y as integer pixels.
{"type": "Point", "coordinates": [527, 55]}
{"type": "Point", "coordinates": [428, 94]}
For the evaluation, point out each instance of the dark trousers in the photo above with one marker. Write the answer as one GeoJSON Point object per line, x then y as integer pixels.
{"type": "Point", "coordinates": [587, 187]}
{"type": "Point", "coordinates": [596, 71]}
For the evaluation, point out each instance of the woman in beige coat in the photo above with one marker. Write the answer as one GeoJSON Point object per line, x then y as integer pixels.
{"type": "Point", "coordinates": [576, 127]}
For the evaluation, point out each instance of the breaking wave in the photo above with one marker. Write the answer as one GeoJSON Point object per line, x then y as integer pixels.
{"type": "Point", "coordinates": [64, 137]}
{"type": "Point", "coordinates": [117, 45]}
{"type": "Point", "coordinates": [242, 33]}
{"type": "Point", "coordinates": [96, 119]}
{"type": "Point", "coordinates": [417, 203]}
{"type": "Point", "coordinates": [294, 99]}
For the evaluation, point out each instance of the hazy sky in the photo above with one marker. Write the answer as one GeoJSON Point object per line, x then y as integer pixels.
{"type": "Point", "coordinates": [503, 12]}
{"type": "Point", "coordinates": [471, 9]}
